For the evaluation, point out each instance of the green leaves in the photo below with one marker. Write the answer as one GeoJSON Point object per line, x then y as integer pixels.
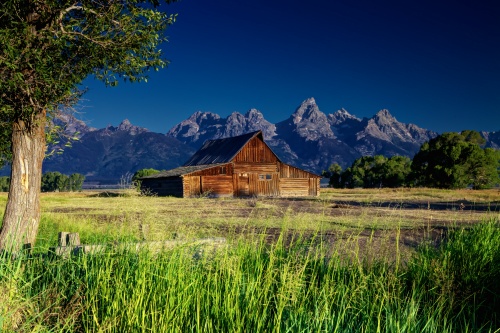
{"type": "Point", "coordinates": [372, 172]}
{"type": "Point", "coordinates": [456, 160]}
{"type": "Point", "coordinates": [143, 173]}
{"type": "Point", "coordinates": [56, 181]}
{"type": "Point", "coordinates": [47, 49]}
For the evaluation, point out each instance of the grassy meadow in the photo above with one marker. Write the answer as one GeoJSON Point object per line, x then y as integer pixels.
{"type": "Point", "coordinates": [405, 260]}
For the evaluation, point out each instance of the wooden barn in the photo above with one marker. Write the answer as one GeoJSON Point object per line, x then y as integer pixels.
{"type": "Point", "coordinates": [239, 166]}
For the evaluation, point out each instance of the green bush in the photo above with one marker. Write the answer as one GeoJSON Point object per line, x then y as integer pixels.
{"type": "Point", "coordinates": [143, 173]}
{"type": "Point", "coordinates": [4, 184]}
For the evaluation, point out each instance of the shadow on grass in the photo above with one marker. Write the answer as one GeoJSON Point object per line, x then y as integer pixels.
{"type": "Point", "coordinates": [448, 205]}
{"type": "Point", "coordinates": [107, 194]}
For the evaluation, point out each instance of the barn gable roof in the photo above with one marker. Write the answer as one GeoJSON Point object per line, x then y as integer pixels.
{"type": "Point", "coordinates": [222, 150]}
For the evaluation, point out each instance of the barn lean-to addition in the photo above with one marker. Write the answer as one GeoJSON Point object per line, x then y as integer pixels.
{"type": "Point", "coordinates": [238, 166]}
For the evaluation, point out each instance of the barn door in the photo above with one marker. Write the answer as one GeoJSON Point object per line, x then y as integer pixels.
{"type": "Point", "coordinates": [243, 185]}
{"type": "Point", "coordinates": [195, 185]}
{"type": "Point", "coordinates": [264, 184]}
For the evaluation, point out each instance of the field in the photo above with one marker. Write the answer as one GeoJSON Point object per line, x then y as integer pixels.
{"type": "Point", "coordinates": [411, 215]}
{"type": "Point", "coordinates": [404, 260]}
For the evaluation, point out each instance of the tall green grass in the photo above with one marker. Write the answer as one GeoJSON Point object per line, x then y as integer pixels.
{"type": "Point", "coordinates": [293, 285]}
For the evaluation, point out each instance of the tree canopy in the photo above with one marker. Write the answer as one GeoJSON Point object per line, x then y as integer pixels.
{"type": "Point", "coordinates": [47, 48]}
{"type": "Point", "coordinates": [50, 46]}
{"type": "Point", "coordinates": [143, 173]}
{"type": "Point", "coordinates": [56, 181]}
{"type": "Point", "coordinates": [334, 173]}
{"type": "Point", "coordinates": [456, 160]}
{"type": "Point", "coordinates": [371, 171]}
{"type": "Point", "coordinates": [451, 160]}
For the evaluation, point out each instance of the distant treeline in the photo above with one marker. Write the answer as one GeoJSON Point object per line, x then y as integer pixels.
{"type": "Point", "coordinates": [449, 161]}
{"type": "Point", "coordinates": [52, 182]}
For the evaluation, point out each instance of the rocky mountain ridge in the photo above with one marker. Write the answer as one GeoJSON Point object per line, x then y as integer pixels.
{"type": "Point", "coordinates": [109, 154]}
{"type": "Point", "coordinates": [309, 139]}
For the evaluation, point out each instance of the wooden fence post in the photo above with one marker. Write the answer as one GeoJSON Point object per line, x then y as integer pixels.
{"type": "Point", "coordinates": [68, 239]}
{"type": "Point", "coordinates": [62, 238]}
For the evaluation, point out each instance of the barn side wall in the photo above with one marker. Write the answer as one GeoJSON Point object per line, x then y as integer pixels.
{"type": "Point", "coordinates": [295, 182]}
{"type": "Point", "coordinates": [294, 187]}
{"type": "Point", "coordinates": [216, 181]}
{"type": "Point", "coordinates": [219, 186]}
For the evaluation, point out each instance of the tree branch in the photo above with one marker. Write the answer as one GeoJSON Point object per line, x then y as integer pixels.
{"type": "Point", "coordinates": [83, 9]}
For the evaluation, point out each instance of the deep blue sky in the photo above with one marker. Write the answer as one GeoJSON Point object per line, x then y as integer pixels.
{"type": "Point", "coordinates": [432, 63]}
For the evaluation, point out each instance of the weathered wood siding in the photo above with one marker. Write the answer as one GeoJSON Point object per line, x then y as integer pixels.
{"type": "Point", "coordinates": [295, 182]}
{"type": "Point", "coordinates": [255, 151]}
{"type": "Point", "coordinates": [217, 185]}
{"type": "Point", "coordinates": [257, 172]}
{"type": "Point", "coordinates": [259, 185]}
{"type": "Point", "coordinates": [171, 186]}
{"type": "Point", "coordinates": [191, 186]}
{"type": "Point", "coordinates": [221, 185]}
{"type": "Point", "coordinates": [299, 187]}
{"type": "Point", "coordinates": [314, 186]}
{"type": "Point", "coordinates": [262, 168]}
{"type": "Point", "coordinates": [294, 187]}
{"type": "Point", "coordinates": [217, 181]}
{"type": "Point", "coordinates": [288, 171]}
{"type": "Point", "coordinates": [226, 169]}
{"type": "Point", "coordinates": [242, 186]}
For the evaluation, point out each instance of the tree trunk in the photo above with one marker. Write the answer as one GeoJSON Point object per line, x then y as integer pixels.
{"type": "Point", "coordinates": [22, 214]}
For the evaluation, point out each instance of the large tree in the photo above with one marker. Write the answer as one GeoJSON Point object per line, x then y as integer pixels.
{"type": "Point", "coordinates": [396, 171]}
{"type": "Point", "coordinates": [377, 171]}
{"type": "Point", "coordinates": [47, 48]}
{"type": "Point", "coordinates": [56, 181]}
{"type": "Point", "coordinates": [334, 172]}
{"type": "Point", "coordinates": [456, 160]}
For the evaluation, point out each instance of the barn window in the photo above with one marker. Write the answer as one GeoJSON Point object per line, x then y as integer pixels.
{"type": "Point", "coordinates": [269, 177]}
{"type": "Point", "coordinates": [265, 177]}
{"type": "Point", "coordinates": [262, 177]}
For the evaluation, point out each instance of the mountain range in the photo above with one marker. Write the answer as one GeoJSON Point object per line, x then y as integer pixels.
{"type": "Point", "coordinates": [309, 139]}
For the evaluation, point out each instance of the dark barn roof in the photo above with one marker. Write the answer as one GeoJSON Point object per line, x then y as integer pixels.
{"type": "Point", "coordinates": [221, 150]}
{"type": "Point", "coordinates": [180, 171]}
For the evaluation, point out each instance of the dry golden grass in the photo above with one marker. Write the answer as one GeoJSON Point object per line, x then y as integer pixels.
{"type": "Point", "coordinates": [11, 307]}
{"type": "Point", "coordinates": [337, 213]}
